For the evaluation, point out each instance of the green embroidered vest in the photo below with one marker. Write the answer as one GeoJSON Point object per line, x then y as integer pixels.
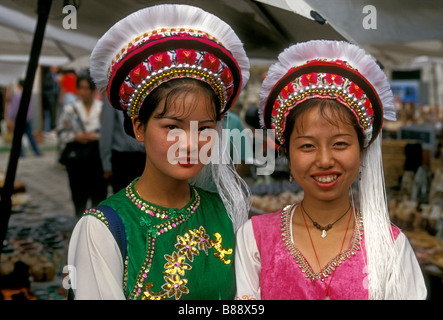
{"type": "Point", "coordinates": [176, 254]}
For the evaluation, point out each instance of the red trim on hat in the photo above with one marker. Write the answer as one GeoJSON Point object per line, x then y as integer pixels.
{"type": "Point", "coordinates": [138, 55]}
{"type": "Point", "coordinates": [327, 67]}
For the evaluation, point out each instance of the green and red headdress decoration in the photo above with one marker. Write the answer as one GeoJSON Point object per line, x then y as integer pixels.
{"type": "Point", "coordinates": [165, 42]}
{"type": "Point", "coordinates": [328, 70]}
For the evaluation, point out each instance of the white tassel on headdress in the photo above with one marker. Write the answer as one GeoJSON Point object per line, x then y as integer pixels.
{"type": "Point", "coordinates": [383, 274]}
{"type": "Point", "coordinates": [162, 16]}
{"type": "Point", "coordinates": [225, 180]}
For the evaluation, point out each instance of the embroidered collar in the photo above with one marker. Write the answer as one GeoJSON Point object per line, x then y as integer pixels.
{"type": "Point", "coordinates": [158, 219]}
{"type": "Point", "coordinates": [286, 220]}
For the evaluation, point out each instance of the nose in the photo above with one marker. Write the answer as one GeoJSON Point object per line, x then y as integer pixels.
{"type": "Point", "coordinates": [189, 141]}
{"type": "Point", "coordinates": [325, 158]}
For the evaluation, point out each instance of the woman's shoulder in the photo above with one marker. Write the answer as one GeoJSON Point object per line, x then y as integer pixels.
{"type": "Point", "coordinates": [268, 223]}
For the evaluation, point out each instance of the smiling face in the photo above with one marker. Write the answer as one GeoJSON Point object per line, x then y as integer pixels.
{"type": "Point", "coordinates": [324, 155]}
{"type": "Point", "coordinates": [185, 115]}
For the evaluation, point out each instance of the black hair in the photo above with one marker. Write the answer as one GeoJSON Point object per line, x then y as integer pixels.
{"type": "Point", "coordinates": [88, 79]}
{"type": "Point", "coordinates": [171, 90]}
{"type": "Point", "coordinates": [338, 113]}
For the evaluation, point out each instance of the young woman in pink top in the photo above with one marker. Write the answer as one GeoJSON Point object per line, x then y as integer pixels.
{"type": "Point", "coordinates": [326, 101]}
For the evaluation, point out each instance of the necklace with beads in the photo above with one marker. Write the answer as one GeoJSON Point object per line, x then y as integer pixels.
{"type": "Point", "coordinates": [326, 228]}
{"type": "Point", "coordinates": [172, 216]}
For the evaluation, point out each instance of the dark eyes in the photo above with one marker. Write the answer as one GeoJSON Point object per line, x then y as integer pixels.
{"type": "Point", "coordinates": [172, 127]}
{"type": "Point", "coordinates": [338, 144]}
{"type": "Point", "coordinates": [341, 144]}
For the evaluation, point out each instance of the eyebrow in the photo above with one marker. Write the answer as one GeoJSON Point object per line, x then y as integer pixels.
{"type": "Point", "coordinates": [181, 120]}
{"type": "Point", "coordinates": [312, 137]}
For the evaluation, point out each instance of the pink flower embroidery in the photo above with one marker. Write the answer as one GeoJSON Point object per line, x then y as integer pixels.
{"type": "Point", "coordinates": [156, 36]}
{"type": "Point", "coordinates": [275, 108]}
{"type": "Point", "coordinates": [138, 74]}
{"type": "Point", "coordinates": [210, 62]}
{"type": "Point", "coordinates": [356, 90]}
{"type": "Point", "coordinates": [182, 34]}
{"type": "Point", "coordinates": [313, 61]}
{"type": "Point", "coordinates": [333, 78]}
{"type": "Point", "coordinates": [310, 78]}
{"type": "Point", "coordinates": [226, 76]}
{"type": "Point", "coordinates": [367, 104]}
{"type": "Point", "coordinates": [186, 56]}
{"type": "Point", "coordinates": [284, 93]}
{"type": "Point", "coordinates": [126, 91]}
{"type": "Point", "coordinates": [287, 90]}
{"type": "Point", "coordinates": [274, 112]}
{"type": "Point", "coordinates": [160, 60]}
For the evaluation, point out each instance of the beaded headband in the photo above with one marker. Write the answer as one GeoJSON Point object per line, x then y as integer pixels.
{"type": "Point", "coordinates": [179, 60]}
{"type": "Point", "coordinates": [174, 45]}
{"type": "Point", "coordinates": [326, 78]}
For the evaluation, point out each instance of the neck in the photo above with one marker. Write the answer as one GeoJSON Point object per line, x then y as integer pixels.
{"type": "Point", "coordinates": [163, 192]}
{"type": "Point", "coordinates": [325, 212]}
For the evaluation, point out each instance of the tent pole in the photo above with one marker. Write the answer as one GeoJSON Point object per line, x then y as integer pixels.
{"type": "Point", "coordinates": [44, 7]}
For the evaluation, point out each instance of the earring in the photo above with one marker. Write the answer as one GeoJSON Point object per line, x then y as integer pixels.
{"type": "Point", "coordinates": [359, 175]}
{"type": "Point", "coordinates": [291, 178]}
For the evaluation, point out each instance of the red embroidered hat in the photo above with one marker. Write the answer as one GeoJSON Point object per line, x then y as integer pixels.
{"type": "Point", "coordinates": [329, 70]}
{"type": "Point", "coordinates": [165, 42]}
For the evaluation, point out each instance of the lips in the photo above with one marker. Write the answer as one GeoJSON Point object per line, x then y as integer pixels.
{"type": "Point", "coordinates": [326, 179]}
{"type": "Point", "coordinates": [188, 162]}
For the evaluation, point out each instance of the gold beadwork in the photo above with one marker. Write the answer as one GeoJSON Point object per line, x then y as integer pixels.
{"type": "Point", "coordinates": [98, 214]}
{"type": "Point", "coordinates": [153, 83]}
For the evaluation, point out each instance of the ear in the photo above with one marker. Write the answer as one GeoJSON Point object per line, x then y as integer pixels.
{"type": "Point", "coordinates": [139, 129]}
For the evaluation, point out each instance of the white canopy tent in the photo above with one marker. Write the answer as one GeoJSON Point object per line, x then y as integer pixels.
{"type": "Point", "coordinates": [264, 29]}
{"type": "Point", "coordinates": [405, 30]}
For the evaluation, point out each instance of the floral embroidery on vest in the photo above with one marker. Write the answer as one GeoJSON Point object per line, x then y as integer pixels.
{"type": "Point", "coordinates": [188, 246]}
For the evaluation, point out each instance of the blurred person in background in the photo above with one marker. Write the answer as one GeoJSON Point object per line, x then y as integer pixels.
{"type": "Point", "coordinates": [79, 125]}
{"type": "Point", "coordinates": [13, 110]}
{"type": "Point", "coordinates": [117, 149]}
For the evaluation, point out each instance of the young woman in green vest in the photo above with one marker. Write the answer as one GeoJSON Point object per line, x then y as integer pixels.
{"type": "Point", "coordinates": [174, 70]}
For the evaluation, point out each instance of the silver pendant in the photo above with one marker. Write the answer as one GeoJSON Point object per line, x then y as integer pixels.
{"type": "Point", "coordinates": [324, 234]}
{"type": "Point", "coordinates": [327, 298]}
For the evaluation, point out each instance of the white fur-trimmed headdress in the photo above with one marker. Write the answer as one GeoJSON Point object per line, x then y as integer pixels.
{"type": "Point", "coordinates": [164, 42]}
{"type": "Point", "coordinates": [344, 72]}
{"type": "Point", "coordinates": [326, 69]}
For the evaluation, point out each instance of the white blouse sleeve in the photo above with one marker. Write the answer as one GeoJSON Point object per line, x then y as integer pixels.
{"type": "Point", "coordinates": [247, 264]}
{"type": "Point", "coordinates": [97, 262]}
{"type": "Point", "coordinates": [411, 269]}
